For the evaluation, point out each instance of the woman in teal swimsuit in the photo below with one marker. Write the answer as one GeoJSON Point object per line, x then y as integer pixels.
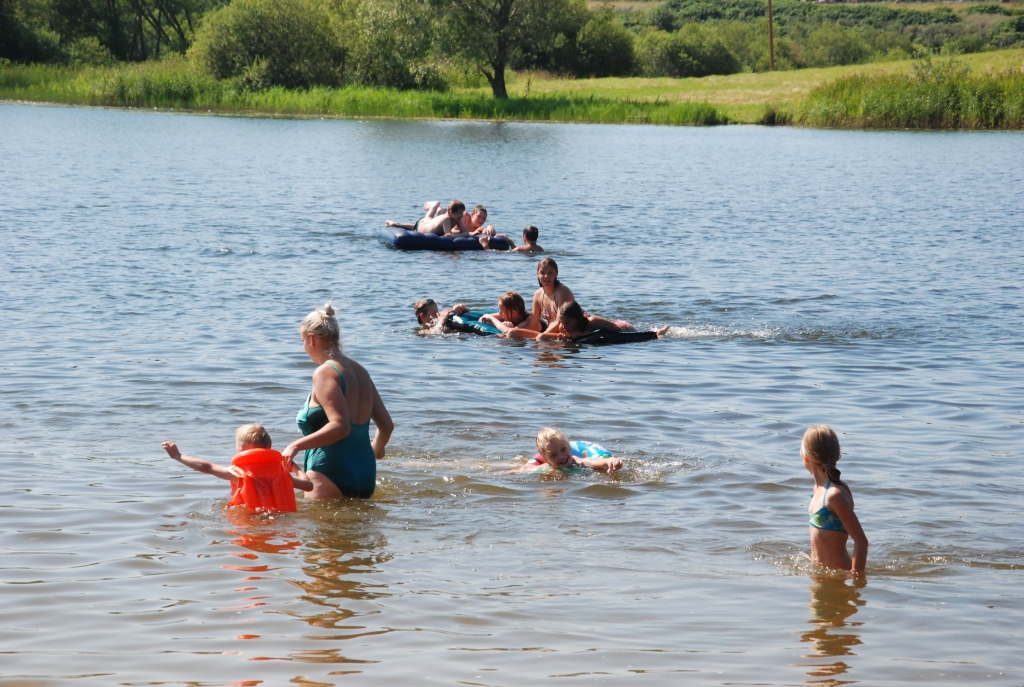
{"type": "Point", "coordinates": [833, 521]}
{"type": "Point", "coordinates": [340, 459]}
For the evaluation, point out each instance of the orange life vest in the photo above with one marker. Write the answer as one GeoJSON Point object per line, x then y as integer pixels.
{"type": "Point", "coordinates": [262, 482]}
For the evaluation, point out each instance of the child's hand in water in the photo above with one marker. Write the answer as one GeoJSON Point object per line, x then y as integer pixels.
{"type": "Point", "coordinates": [613, 464]}
{"type": "Point", "coordinates": [172, 449]}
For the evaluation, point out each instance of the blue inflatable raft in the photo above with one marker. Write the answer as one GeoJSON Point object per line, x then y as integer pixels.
{"type": "Point", "coordinates": [414, 240]}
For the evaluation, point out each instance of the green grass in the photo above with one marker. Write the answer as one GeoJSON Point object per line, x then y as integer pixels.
{"type": "Point", "coordinates": [742, 98]}
{"type": "Point", "coordinates": [859, 96]}
{"type": "Point", "coordinates": [943, 95]}
{"type": "Point", "coordinates": [173, 85]}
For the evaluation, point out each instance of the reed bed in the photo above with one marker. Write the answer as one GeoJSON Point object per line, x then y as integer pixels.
{"type": "Point", "coordinates": [932, 96]}
{"type": "Point", "coordinates": [174, 84]}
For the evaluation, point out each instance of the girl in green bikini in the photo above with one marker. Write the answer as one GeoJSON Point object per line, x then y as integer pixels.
{"type": "Point", "coordinates": [340, 460]}
{"type": "Point", "coordinates": [832, 520]}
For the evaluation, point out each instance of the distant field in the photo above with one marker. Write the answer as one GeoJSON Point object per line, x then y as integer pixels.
{"type": "Point", "coordinates": [622, 5]}
{"type": "Point", "coordinates": [741, 97]}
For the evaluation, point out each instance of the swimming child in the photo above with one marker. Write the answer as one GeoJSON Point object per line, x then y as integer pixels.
{"type": "Point", "coordinates": [432, 320]}
{"type": "Point", "coordinates": [572, 324]}
{"type": "Point", "coordinates": [511, 320]}
{"type": "Point", "coordinates": [832, 519]}
{"type": "Point", "coordinates": [554, 451]}
{"type": "Point", "coordinates": [247, 437]}
{"type": "Point", "coordinates": [530, 244]}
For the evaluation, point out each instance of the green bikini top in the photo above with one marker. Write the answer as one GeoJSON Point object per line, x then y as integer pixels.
{"type": "Point", "coordinates": [825, 519]}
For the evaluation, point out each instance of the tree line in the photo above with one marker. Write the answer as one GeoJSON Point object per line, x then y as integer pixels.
{"type": "Point", "coordinates": [431, 44]}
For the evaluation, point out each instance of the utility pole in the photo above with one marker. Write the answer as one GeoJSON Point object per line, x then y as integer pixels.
{"type": "Point", "coordinates": [771, 39]}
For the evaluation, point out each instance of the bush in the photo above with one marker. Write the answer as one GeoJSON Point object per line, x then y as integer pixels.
{"type": "Point", "coordinates": [694, 50]}
{"type": "Point", "coordinates": [290, 43]}
{"type": "Point", "coordinates": [606, 47]}
{"type": "Point", "coordinates": [831, 45]}
{"type": "Point", "coordinates": [88, 52]}
{"type": "Point", "coordinates": [391, 40]}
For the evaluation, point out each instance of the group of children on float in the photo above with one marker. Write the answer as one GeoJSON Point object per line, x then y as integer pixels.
{"type": "Point", "coordinates": [455, 222]}
{"type": "Point", "coordinates": [554, 316]}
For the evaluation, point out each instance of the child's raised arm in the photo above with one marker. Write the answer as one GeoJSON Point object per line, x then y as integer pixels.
{"type": "Point", "coordinates": [197, 464]}
{"type": "Point", "coordinates": [601, 464]}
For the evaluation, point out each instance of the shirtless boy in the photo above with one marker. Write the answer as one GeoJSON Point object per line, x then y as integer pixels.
{"type": "Point", "coordinates": [530, 244]}
{"type": "Point", "coordinates": [438, 221]}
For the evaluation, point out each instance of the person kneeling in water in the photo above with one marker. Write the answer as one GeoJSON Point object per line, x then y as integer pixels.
{"type": "Point", "coordinates": [573, 324]}
{"type": "Point", "coordinates": [433, 321]}
{"type": "Point", "coordinates": [247, 437]}
{"type": "Point", "coordinates": [554, 450]}
{"type": "Point", "coordinates": [530, 244]}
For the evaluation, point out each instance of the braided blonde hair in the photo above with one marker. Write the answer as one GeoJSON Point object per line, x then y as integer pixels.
{"type": "Point", "coordinates": [821, 446]}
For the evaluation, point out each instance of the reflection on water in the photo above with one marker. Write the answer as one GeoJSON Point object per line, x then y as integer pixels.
{"type": "Point", "coordinates": [339, 552]}
{"type": "Point", "coordinates": [834, 600]}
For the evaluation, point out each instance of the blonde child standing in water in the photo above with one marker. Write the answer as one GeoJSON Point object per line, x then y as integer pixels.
{"type": "Point", "coordinates": [832, 519]}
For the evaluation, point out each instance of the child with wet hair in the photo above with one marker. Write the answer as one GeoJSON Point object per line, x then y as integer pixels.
{"type": "Point", "coordinates": [572, 324]}
{"type": "Point", "coordinates": [247, 437]}
{"type": "Point", "coordinates": [431, 319]}
{"type": "Point", "coordinates": [832, 520]}
{"type": "Point", "coordinates": [530, 244]}
{"type": "Point", "coordinates": [512, 319]}
{"type": "Point", "coordinates": [553, 450]}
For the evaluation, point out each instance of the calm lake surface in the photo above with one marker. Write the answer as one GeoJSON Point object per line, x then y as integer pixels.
{"type": "Point", "coordinates": [155, 268]}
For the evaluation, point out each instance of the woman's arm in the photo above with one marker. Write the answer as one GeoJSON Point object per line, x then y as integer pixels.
{"type": "Point", "coordinates": [385, 426]}
{"type": "Point", "coordinates": [842, 505]}
{"type": "Point", "coordinates": [326, 390]}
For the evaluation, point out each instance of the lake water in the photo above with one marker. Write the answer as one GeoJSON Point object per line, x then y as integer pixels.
{"type": "Point", "coordinates": [155, 268]}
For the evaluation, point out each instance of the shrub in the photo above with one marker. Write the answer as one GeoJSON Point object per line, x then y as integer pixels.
{"type": "Point", "coordinates": [88, 52]}
{"type": "Point", "coordinates": [832, 45]}
{"type": "Point", "coordinates": [290, 43]}
{"type": "Point", "coordinates": [694, 50]}
{"type": "Point", "coordinates": [606, 47]}
{"type": "Point", "coordinates": [391, 40]}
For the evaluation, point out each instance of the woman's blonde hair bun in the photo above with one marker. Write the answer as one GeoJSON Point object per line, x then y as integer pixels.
{"type": "Point", "coordinates": [322, 324]}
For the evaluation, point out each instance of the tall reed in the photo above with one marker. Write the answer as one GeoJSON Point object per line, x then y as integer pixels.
{"type": "Point", "coordinates": [935, 95]}
{"type": "Point", "coordinates": [174, 84]}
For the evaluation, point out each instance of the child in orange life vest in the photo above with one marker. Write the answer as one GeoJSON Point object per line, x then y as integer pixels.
{"type": "Point", "coordinates": [247, 437]}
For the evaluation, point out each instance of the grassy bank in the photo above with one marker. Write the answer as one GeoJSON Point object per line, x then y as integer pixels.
{"type": "Point", "coordinates": [742, 98]}
{"type": "Point", "coordinates": [943, 95]}
{"type": "Point", "coordinates": [173, 85]}
{"type": "Point", "coordinates": [984, 93]}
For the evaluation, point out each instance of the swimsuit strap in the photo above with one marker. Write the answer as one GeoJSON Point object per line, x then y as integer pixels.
{"type": "Point", "coordinates": [338, 370]}
{"type": "Point", "coordinates": [828, 483]}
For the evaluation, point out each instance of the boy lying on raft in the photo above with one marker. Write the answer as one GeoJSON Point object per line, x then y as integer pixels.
{"type": "Point", "coordinates": [247, 437]}
{"type": "Point", "coordinates": [554, 452]}
{"type": "Point", "coordinates": [572, 324]}
{"type": "Point", "coordinates": [453, 221]}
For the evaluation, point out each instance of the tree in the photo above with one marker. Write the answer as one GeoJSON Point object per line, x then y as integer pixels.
{"type": "Point", "coordinates": [493, 33]}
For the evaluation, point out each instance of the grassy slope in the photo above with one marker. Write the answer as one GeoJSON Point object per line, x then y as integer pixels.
{"type": "Point", "coordinates": [742, 97]}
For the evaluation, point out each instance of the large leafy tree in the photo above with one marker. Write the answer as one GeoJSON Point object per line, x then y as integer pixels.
{"type": "Point", "coordinates": [492, 34]}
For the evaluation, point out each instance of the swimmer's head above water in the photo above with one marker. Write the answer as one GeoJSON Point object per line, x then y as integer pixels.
{"type": "Point", "coordinates": [426, 311]}
{"type": "Point", "coordinates": [553, 447]}
{"type": "Point", "coordinates": [573, 320]}
{"type": "Point", "coordinates": [547, 272]}
{"type": "Point", "coordinates": [252, 436]}
{"type": "Point", "coordinates": [511, 307]}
